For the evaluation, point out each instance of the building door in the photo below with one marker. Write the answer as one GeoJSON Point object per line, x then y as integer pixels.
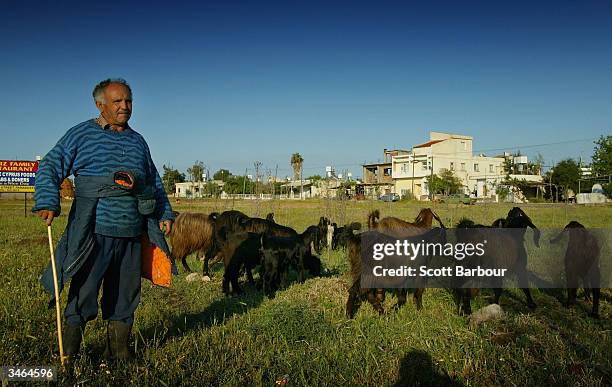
{"type": "Point", "coordinates": [480, 188]}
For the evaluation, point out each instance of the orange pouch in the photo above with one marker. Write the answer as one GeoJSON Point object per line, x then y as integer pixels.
{"type": "Point", "coordinates": [154, 264]}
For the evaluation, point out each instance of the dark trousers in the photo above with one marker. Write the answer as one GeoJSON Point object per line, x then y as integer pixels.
{"type": "Point", "coordinates": [115, 264]}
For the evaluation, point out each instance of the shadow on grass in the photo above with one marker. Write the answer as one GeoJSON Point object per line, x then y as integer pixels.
{"type": "Point", "coordinates": [417, 368]}
{"type": "Point", "coordinates": [214, 314]}
{"type": "Point", "coordinates": [574, 327]}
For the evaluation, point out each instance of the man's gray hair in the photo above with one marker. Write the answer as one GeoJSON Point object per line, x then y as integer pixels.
{"type": "Point", "coordinates": [98, 91]}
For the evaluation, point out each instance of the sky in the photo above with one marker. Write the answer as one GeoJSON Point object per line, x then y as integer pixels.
{"type": "Point", "coordinates": [229, 83]}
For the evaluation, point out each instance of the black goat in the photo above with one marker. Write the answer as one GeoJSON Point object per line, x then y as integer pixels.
{"type": "Point", "coordinates": [343, 234]}
{"type": "Point", "coordinates": [581, 263]}
{"type": "Point", "coordinates": [279, 253]}
{"type": "Point", "coordinates": [241, 249]}
{"type": "Point", "coordinates": [505, 250]}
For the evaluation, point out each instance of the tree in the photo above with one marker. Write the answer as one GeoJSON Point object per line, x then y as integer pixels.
{"type": "Point", "coordinates": [171, 177]}
{"type": "Point", "coordinates": [566, 175]}
{"type": "Point", "coordinates": [196, 171]}
{"type": "Point", "coordinates": [602, 156]}
{"type": "Point", "coordinates": [236, 184]}
{"type": "Point", "coordinates": [447, 183]}
{"type": "Point", "coordinates": [212, 189]}
{"type": "Point", "coordinates": [314, 178]}
{"type": "Point", "coordinates": [222, 174]}
{"type": "Point", "coordinates": [296, 163]}
{"type": "Point", "coordinates": [508, 167]}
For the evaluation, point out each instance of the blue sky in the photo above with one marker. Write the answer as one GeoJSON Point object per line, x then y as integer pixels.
{"type": "Point", "coordinates": [229, 83]}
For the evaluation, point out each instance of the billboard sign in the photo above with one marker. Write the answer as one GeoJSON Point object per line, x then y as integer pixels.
{"type": "Point", "coordinates": [17, 176]}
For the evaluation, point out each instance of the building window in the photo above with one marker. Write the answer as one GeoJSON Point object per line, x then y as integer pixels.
{"type": "Point", "coordinates": [476, 168]}
{"type": "Point", "coordinates": [464, 145]}
{"type": "Point", "coordinates": [463, 166]}
{"type": "Point", "coordinates": [491, 169]}
{"type": "Point", "coordinates": [452, 166]}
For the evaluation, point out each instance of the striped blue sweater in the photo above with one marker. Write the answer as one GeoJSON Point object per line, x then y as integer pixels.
{"type": "Point", "coordinates": [89, 150]}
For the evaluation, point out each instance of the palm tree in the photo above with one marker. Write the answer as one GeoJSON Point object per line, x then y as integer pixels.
{"type": "Point", "coordinates": [296, 164]}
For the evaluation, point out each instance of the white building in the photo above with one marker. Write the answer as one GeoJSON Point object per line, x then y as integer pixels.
{"type": "Point", "coordinates": [479, 174]}
{"type": "Point", "coordinates": [190, 189]}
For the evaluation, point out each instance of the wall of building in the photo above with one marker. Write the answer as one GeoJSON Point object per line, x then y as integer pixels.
{"type": "Point", "coordinates": [478, 174]}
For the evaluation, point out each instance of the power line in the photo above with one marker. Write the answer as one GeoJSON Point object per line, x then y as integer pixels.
{"type": "Point", "coordinates": [514, 147]}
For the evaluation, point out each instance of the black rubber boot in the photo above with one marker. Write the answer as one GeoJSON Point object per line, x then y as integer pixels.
{"type": "Point", "coordinates": [117, 339]}
{"type": "Point", "coordinates": [72, 336]}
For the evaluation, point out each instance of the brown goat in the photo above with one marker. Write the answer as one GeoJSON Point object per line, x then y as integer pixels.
{"type": "Point", "coordinates": [399, 228]}
{"type": "Point", "coordinates": [376, 296]}
{"type": "Point", "coordinates": [192, 232]}
{"type": "Point", "coordinates": [581, 263]}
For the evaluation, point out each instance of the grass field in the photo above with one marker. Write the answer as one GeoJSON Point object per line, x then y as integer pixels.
{"type": "Point", "coordinates": [191, 334]}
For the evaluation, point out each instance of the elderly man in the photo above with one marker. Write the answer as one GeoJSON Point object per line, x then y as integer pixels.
{"type": "Point", "coordinates": [120, 204]}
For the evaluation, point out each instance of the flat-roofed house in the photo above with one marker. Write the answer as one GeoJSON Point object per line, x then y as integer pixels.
{"type": "Point", "coordinates": [377, 177]}
{"type": "Point", "coordinates": [479, 174]}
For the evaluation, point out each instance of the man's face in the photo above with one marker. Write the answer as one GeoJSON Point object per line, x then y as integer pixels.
{"type": "Point", "coordinates": [117, 105]}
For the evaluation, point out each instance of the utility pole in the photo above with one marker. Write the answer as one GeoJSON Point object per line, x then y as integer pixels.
{"type": "Point", "coordinates": [431, 180]}
{"type": "Point", "coordinates": [301, 183]}
{"type": "Point", "coordinates": [274, 183]}
{"type": "Point", "coordinates": [244, 181]}
{"type": "Point", "coordinates": [413, 162]}
{"type": "Point", "coordinates": [257, 164]}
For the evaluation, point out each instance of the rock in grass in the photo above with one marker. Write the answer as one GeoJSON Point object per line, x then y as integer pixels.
{"type": "Point", "coordinates": [193, 277]}
{"type": "Point", "coordinates": [488, 313]}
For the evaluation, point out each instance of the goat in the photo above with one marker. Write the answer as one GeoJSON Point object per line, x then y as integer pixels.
{"type": "Point", "coordinates": [342, 234]}
{"type": "Point", "coordinates": [278, 254]}
{"type": "Point", "coordinates": [376, 296]}
{"type": "Point", "coordinates": [242, 249]}
{"type": "Point", "coordinates": [517, 218]}
{"type": "Point", "coordinates": [260, 226]}
{"type": "Point", "coordinates": [193, 232]}
{"type": "Point", "coordinates": [399, 228]}
{"type": "Point", "coordinates": [283, 251]}
{"type": "Point", "coordinates": [504, 250]}
{"type": "Point", "coordinates": [329, 235]}
{"type": "Point", "coordinates": [581, 263]}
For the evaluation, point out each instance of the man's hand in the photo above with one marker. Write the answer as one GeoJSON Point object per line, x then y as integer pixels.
{"type": "Point", "coordinates": [47, 215]}
{"type": "Point", "coordinates": [166, 224]}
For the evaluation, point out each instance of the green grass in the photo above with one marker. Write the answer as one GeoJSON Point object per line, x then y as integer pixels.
{"type": "Point", "coordinates": [192, 334]}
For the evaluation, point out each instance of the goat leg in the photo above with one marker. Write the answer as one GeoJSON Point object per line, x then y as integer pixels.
{"type": "Point", "coordinates": [354, 300]}
{"type": "Point", "coordinates": [418, 298]}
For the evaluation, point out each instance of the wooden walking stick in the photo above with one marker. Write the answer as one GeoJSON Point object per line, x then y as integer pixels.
{"type": "Point", "coordinates": [57, 302]}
